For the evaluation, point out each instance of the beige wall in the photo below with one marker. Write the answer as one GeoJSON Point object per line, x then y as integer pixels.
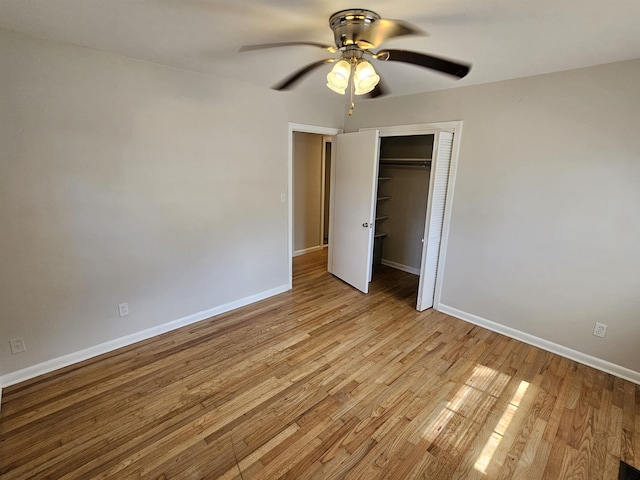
{"type": "Point", "coordinates": [545, 228]}
{"type": "Point", "coordinates": [307, 190]}
{"type": "Point", "coordinates": [126, 181]}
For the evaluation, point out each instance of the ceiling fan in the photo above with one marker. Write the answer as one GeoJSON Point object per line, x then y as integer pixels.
{"type": "Point", "coordinates": [356, 33]}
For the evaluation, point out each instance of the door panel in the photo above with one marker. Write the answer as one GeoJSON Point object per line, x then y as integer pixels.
{"type": "Point", "coordinates": [438, 187]}
{"type": "Point", "coordinates": [354, 173]}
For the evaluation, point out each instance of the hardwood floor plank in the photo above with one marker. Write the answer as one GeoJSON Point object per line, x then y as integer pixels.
{"type": "Point", "coordinates": [323, 382]}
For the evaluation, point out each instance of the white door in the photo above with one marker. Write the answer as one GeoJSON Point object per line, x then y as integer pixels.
{"type": "Point", "coordinates": [354, 175]}
{"type": "Point", "coordinates": [438, 187]}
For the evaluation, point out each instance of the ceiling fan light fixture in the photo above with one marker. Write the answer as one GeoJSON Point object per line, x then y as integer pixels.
{"type": "Point", "coordinates": [357, 32]}
{"type": "Point", "coordinates": [341, 91]}
{"type": "Point", "coordinates": [365, 78]}
{"type": "Point", "coordinates": [338, 77]}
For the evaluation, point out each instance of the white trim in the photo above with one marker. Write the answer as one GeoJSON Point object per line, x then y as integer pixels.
{"type": "Point", "coordinates": [0, 399]}
{"type": "Point", "coordinates": [69, 359]}
{"type": "Point", "coordinates": [304, 251]}
{"type": "Point", "coordinates": [416, 129]}
{"type": "Point", "coordinates": [561, 350]}
{"type": "Point", "coordinates": [298, 127]}
{"type": "Point", "coordinates": [399, 266]}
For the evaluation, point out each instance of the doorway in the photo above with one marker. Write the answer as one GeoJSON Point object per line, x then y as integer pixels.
{"type": "Point", "coordinates": [403, 192]}
{"type": "Point", "coordinates": [325, 134]}
{"type": "Point", "coordinates": [308, 192]}
{"type": "Point", "coordinates": [443, 166]}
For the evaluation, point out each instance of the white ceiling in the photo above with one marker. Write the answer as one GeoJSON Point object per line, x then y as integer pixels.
{"type": "Point", "coordinates": [501, 38]}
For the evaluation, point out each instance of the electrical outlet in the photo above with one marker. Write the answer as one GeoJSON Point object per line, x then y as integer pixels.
{"type": "Point", "coordinates": [600, 330]}
{"type": "Point", "coordinates": [17, 346]}
{"type": "Point", "coordinates": [123, 309]}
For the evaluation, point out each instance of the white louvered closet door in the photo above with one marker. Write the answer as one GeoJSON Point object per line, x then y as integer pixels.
{"type": "Point", "coordinates": [440, 166]}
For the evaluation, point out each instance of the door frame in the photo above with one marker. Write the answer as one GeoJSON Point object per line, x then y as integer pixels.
{"type": "Point", "coordinates": [454, 127]}
{"type": "Point", "coordinates": [326, 140]}
{"type": "Point", "coordinates": [303, 128]}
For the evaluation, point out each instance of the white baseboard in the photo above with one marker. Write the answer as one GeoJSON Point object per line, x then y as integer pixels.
{"type": "Point", "coordinates": [54, 364]}
{"type": "Point", "coordinates": [399, 266]}
{"type": "Point", "coordinates": [561, 350]}
{"type": "Point", "coordinates": [297, 253]}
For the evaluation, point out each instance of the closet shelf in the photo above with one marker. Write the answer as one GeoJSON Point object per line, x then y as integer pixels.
{"type": "Point", "coordinates": [384, 217]}
{"type": "Point", "coordinates": [383, 198]}
{"type": "Point", "coordinates": [380, 235]}
{"type": "Point", "coordinates": [381, 179]}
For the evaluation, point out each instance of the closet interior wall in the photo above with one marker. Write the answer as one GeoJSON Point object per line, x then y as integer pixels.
{"type": "Point", "coordinates": [403, 187]}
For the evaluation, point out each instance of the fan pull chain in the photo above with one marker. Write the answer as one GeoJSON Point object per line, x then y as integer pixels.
{"type": "Point", "coordinates": [352, 87]}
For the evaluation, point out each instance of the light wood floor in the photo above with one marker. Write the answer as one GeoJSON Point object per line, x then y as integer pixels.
{"type": "Point", "coordinates": [323, 382]}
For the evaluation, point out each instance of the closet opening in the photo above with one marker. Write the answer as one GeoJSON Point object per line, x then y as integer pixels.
{"type": "Point", "coordinates": [404, 172]}
{"type": "Point", "coordinates": [401, 204]}
{"type": "Point", "coordinates": [416, 173]}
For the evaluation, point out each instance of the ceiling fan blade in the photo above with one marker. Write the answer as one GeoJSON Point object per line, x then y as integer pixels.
{"type": "Point", "coordinates": [384, 29]}
{"type": "Point", "coordinates": [297, 75]}
{"type": "Point", "coordinates": [379, 90]}
{"type": "Point", "coordinates": [261, 46]}
{"type": "Point", "coordinates": [423, 60]}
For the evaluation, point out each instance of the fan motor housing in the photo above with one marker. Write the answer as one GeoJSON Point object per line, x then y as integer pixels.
{"type": "Point", "coordinates": [354, 27]}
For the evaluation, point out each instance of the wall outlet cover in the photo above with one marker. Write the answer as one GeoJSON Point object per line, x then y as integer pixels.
{"type": "Point", "coordinates": [123, 309]}
{"type": "Point", "coordinates": [17, 345]}
{"type": "Point", "coordinates": [600, 330]}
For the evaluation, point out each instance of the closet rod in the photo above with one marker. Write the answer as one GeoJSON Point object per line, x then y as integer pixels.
{"type": "Point", "coordinates": [412, 163]}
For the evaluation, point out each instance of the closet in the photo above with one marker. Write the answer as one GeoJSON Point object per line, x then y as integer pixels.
{"type": "Point", "coordinates": [401, 201]}
{"type": "Point", "coordinates": [389, 194]}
